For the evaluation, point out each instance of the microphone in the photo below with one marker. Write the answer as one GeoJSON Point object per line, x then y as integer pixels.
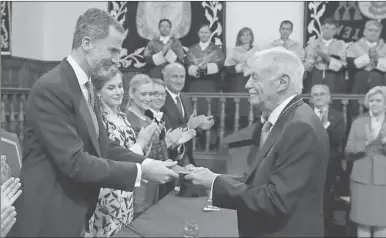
{"type": "Point", "coordinates": [105, 211]}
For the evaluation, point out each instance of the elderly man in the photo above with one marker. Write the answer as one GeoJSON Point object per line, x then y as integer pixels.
{"type": "Point", "coordinates": [178, 112]}
{"type": "Point", "coordinates": [326, 60]}
{"type": "Point", "coordinates": [283, 192]}
{"type": "Point", "coordinates": [367, 57]}
{"type": "Point", "coordinates": [334, 123]}
{"type": "Point", "coordinates": [286, 28]}
{"type": "Point", "coordinates": [67, 156]}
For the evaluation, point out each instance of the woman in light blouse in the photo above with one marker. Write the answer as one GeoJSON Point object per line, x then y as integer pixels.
{"type": "Point", "coordinates": [109, 86]}
{"type": "Point", "coordinates": [366, 146]}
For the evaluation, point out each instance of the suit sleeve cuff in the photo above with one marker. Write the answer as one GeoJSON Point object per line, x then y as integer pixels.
{"type": "Point", "coordinates": [212, 68]}
{"type": "Point", "coordinates": [381, 66]}
{"type": "Point", "coordinates": [158, 58]}
{"type": "Point", "coordinates": [136, 148]}
{"type": "Point", "coordinates": [171, 56]}
{"type": "Point", "coordinates": [362, 61]}
{"type": "Point", "coordinates": [335, 65]}
{"type": "Point", "coordinates": [211, 188]}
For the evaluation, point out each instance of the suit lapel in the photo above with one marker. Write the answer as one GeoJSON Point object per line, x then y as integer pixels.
{"type": "Point", "coordinates": [275, 131]}
{"type": "Point", "coordinates": [171, 106]}
{"type": "Point", "coordinates": [69, 74]}
{"type": "Point", "coordinates": [188, 109]}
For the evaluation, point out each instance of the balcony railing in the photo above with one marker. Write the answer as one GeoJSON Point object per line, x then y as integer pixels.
{"type": "Point", "coordinates": [13, 105]}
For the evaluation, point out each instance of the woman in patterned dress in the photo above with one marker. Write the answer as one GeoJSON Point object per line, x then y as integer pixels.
{"type": "Point", "coordinates": [109, 87]}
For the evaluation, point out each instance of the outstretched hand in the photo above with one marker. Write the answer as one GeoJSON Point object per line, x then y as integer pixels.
{"type": "Point", "coordinates": [159, 171]}
{"type": "Point", "coordinates": [201, 176]}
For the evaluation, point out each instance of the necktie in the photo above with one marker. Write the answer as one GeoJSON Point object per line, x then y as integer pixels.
{"type": "Point", "coordinates": [91, 95]}
{"type": "Point", "coordinates": [91, 103]}
{"type": "Point", "coordinates": [321, 115]}
{"type": "Point", "coordinates": [179, 105]}
{"type": "Point", "coordinates": [265, 130]}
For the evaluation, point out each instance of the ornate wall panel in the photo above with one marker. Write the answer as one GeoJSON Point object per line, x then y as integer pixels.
{"type": "Point", "coordinates": [352, 16]}
{"type": "Point", "coordinates": [140, 20]}
{"type": "Point", "coordinates": [5, 27]}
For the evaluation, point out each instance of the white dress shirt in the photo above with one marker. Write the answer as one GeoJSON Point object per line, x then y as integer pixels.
{"type": "Point", "coordinates": [204, 45]}
{"type": "Point", "coordinates": [374, 44]}
{"type": "Point", "coordinates": [319, 113]}
{"type": "Point", "coordinates": [82, 80]}
{"type": "Point", "coordinates": [164, 39]}
{"type": "Point", "coordinates": [157, 115]}
{"type": "Point", "coordinates": [327, 43]}
{"type": "Point", "coordinates": [272, 119]}
{"type": "Point", "coordinates": [174, 97]}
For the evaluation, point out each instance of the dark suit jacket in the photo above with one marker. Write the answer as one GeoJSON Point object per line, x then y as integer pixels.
{"type": "Point", "coordinates": [173, 119]}
{"type": "Point", "coordinates": [64, 163]}
{"type": "Point", "coordinates": [283, 192]}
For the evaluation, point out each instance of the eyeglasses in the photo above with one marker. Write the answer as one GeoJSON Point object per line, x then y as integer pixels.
{"type": "Point", "coordinates": [158, 94]}
{"type": "Point", "coordinates": [319, 94]}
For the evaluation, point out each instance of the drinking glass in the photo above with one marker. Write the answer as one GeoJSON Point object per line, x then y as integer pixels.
{"type": "Point", "coordinates": [191, 229]}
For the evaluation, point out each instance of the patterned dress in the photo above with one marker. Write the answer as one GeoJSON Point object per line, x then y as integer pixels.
{"type": "Point", "coordinates": [118, 202]}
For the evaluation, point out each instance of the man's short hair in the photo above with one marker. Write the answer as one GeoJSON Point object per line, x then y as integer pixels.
{"type": "Point", "coordinates": [281, 61]}
{"type": "Point", "coordinates": [325, 87]}
{"type": "Point", "coordinates": [168, 67]}
{"type": "Point", "coordinates": [159, 82]}
{"type": "Point", "coordinates": [164, 20]}
{"type": "Point", "coordinates": [375, 23]}
{"type": "Point", "coordinates": [331, 21]}
{"type": "Point", "coordinates": [287, 22]}
{"type": "Point", "coordinates": [94, 23]}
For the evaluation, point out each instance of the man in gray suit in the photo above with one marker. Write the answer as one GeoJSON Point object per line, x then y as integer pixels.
{"type": "Point", "coordinates": [67, 156]}
{"type": "Point", "coordinates": [282, 194]}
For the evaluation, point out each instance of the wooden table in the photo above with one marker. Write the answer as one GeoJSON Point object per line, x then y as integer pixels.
{"type": "Point", "coordinates": [167, 219]}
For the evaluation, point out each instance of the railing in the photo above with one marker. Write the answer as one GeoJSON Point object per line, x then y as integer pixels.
{"type": "Point", "coordinates": [13, 105]}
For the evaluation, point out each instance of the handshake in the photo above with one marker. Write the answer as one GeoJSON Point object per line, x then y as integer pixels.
{"type": "Point", "coordinates": [165, 171]}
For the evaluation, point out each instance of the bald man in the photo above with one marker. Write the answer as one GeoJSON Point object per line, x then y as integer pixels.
{"type": "Point", "coordinates": [178, 112]}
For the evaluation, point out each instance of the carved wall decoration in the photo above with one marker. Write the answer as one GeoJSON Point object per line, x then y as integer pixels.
{"type": "Point", "coordinates": [352, 17]}
{"type": "Point", "coordinates": [5, 27]}
{"type": "Point", "coordinates": [140, 19]}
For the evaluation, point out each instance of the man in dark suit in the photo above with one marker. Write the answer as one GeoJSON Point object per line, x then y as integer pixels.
{"type": "Point", "coordinates": [282, 195]}
{"type": "Point", "coordinates": [67, 156]}
{"type": "Point", "coordinates": [178, 112]}
{"type": "Point", "coordinates": [335, 126]}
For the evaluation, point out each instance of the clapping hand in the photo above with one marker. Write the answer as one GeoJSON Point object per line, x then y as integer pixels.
{"type": "Point", "coordinates": [10, 191]}
{"type": "Point", "coordinates": [148, 134]}
{"type": "Point", "coordinates": [172, 136]}
{"type": "Point", "coordinates": [194, 121]}
{"type": "Point", "coordinates": [206, 122]}
{"type": "Point", "coordinates": [166, 47]}
{"type": "Point", "coordinates": [158, 171]}
{"type": "Point", "coordinates": [187, 135]}
{"type": "Point", "coordinates": [370, 137]}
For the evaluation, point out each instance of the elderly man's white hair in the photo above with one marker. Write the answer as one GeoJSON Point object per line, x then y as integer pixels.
{"type": "Point", "coordinates": [276, 61]}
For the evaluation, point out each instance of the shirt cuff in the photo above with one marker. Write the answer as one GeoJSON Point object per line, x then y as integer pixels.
{"type": "Point", "coordinates": [335, 65]}
{"type": "Point", "coordinates": [211, 187]}
{"type": "Point", "coordinates": [381, 66]}
{"type": "Point", "coordinates": [327, 125]}
{"type": "Point", "coordinates": [159, 58]}
{"type": "Point", "coordinates": [212, 68]}
{"type": "Point", "coordinates": [139, 174]}
{"type": "Point", "coordinates": [136, 148]}
{"type": "Point", "coordinates": [362, 61]}
{"type": "Point", "coordinates": [171, 56]}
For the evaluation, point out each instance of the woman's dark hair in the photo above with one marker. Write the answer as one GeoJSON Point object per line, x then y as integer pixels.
{"type": "Point", "coordinates": [241, 32]}
{"type": "Point", "coordinates": [104, 75]}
